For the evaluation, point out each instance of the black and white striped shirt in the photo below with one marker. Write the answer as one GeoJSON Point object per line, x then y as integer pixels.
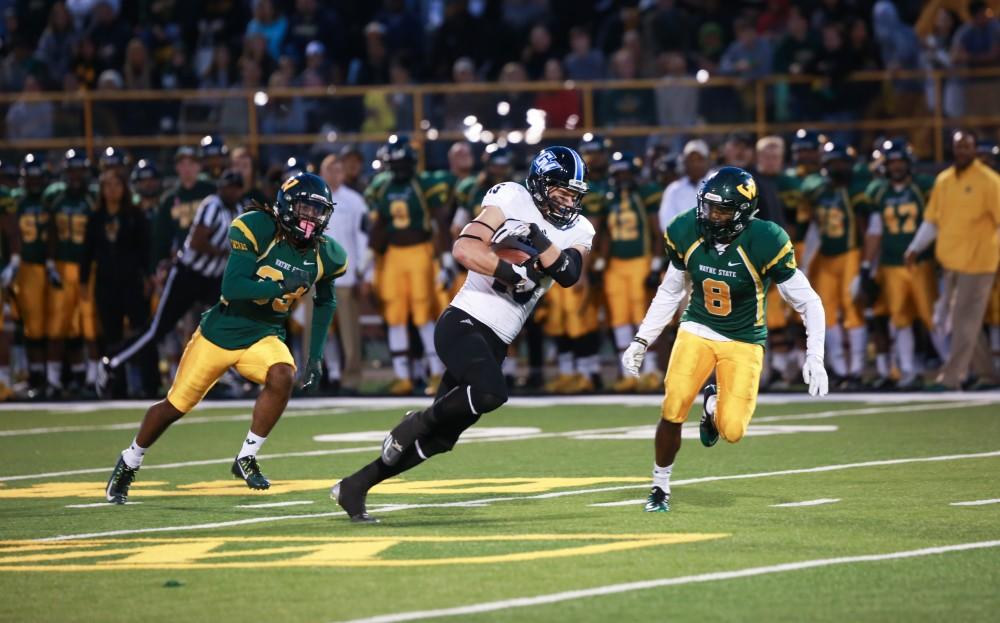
{"type": "Point", "coordinates": [213, 214]}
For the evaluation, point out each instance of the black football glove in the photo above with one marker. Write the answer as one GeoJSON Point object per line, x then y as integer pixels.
{"type": "Point", "coordinates": [295, 278]}
{"type": "Point", "coordinates": [311, 375]}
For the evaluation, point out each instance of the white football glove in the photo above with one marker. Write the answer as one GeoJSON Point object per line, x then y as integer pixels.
{"type": "Point", "coordinates": [632, 358]}
{"type": "Point", "coordinates": [447, 273]}
{"type": "Point", "coordinates": [814, 373]}
{"type": "Point", "coordinates": [511, 227]}
{"type": "Point", "coordinates": [530, 278]}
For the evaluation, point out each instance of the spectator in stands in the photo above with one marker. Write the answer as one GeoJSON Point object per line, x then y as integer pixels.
{"type": "Point", "coordinates": [682, 194]}
{"type": "Point", "coordinates": [354, 168]}
{"type": "Point", "coordinates": [241, 161]}
{"type": "Point", "coordinates": [710, 47]}
{"type": "Point", "coordinates": [645, 63]}
{"type": "Point", "coordinates": [110, 35]}
{"type": "Point", "coordinates": [676, 102]}
{"type": "Point", "coordinates": [517, 102]}
{"type": "Point", "coordinates": [137, 72]}
{"type": "Point", "coordinates": [611, 34]}
{"type": "Point", "coordinates": [401, 103]}
{"type": "Point", "coordinates": [562, 107]}
{"type": "Point", "coordinates": [771, 22]}
{"type": "Point", "coordinates": [749, 56]}
{"type": "Point", "coordinates": [221, 72]}
{"type": "Point", "coordinates": [55, 48]}
{"type": "Point", "coordinates": [937, 55]}
{"type": "Point", "coordinates": [457, 106]}
{"type": "Point", "coordinates": [282, 115]}
{"type": "Point", "coordinates": [404, 32]}
{"type": "Point", "coordinates": [977, 45]}
{"type": "Point", "coordinates": [255, 48]}
{"type": "Point", "coordinates": [30, 119]}
{"type": "Point", "coordinates": [583, 62]}
{"type": "Point", "coordinates": [270, 25]}
{"type": "Point", "coordinates": [622, 107]}
{"type": "Point", "coordinates": [374, 68]}
{"type": "Point", "coordinates": [460, 35]}
{"type": "Point", "coordinates": [18, 64]}
{"type": "Point", "coordinates": [668, 27]}
{"type": "Point", "coordinates": [963, 217]}
{"type": "Point", "coordinates": [537, 52]}
{"type": "Point", "coordinates": [84, 63]}
{"type": "Point", "coordinates": [347, 226]}
{"type": "Point", "coordinates": [834, 63]}
{"type": "Point", "coordinates": [310, 22]}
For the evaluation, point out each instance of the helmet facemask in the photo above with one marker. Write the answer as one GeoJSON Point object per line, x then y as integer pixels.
{"type": "Point", "coordinates": [560, 213]}
{"type": "Point", "coordinates": [722, 221]}
{"type": "Point", "coordinates": [307, 218]}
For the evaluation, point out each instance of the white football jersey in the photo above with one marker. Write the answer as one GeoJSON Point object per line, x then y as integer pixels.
{"type": "Point", "coordinates": [489, 301]}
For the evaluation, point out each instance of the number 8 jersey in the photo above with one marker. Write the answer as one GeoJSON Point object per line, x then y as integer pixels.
{"type": "Point", "coordinates": [488, 301]}
{"type": "Point", "coordinates": [253, 238]}
{"type": "Point", "coordinates": [729, 287]}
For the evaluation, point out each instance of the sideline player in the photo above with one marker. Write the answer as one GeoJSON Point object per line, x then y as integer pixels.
{"type": "Point", "coordinates": [731, 258]}
{"type": "Point", "coordinates": [486, 315]}
{"type": "Point", "coordinates": [277, 255]}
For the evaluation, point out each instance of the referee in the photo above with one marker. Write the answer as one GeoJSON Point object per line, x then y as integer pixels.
{"type": "Point", "coordinates": [196, 274]}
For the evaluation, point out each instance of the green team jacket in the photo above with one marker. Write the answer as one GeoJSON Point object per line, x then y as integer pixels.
{"type": "Point", "coordinates": [729, 293]}
{"type": "Point", "coordinates": [252, 305]}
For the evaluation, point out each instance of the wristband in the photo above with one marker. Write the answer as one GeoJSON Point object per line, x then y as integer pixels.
{"type": "Point", "coordinates": [639, 340]}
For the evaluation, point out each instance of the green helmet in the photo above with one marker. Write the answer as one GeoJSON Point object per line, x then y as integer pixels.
{"type": "Point", "coordinates": [303, 207]}
{"type": "Point", "coordinates": [729, 190]}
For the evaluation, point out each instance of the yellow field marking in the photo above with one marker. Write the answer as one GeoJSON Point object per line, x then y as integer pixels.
{"type": "Point", "coordinates": [158, 488]}
{"type": "Point", "coordinates": [233, 553]}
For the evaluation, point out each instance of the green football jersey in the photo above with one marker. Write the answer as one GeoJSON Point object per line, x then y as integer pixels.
{"type": "Point", "coordinates": [33, 226]}
{"type": "Point", "coordinates": [790, 193]}
{"type": "Point", "coordinates": [729, 293]}
{"type": "Point", "coordinates": [174, 217]}
{"type": "Point", "coordinates": [257, 248]}
{"type": "Point", "coordinates": [464, 193]}
{"type": "Point", "coordinates": [902, 211]}
{"type": "Point", "coordinates": [836, 210]}
{"type": "Point", "coordinates": [596, 199]}
{"type": "Point", "coordinates": [628, 218]}
{"type": "Point", "coordinates": [407, 206]}
{"type": "Point", "coordinates": [71, 213]}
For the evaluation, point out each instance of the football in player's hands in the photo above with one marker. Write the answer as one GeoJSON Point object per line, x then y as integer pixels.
{"type": "Point", "coordinates": [512, 243]}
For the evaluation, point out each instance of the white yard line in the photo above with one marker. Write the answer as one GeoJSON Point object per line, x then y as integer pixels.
{"type": "Point", "coordinates": [99, 505]}
{"type": "Point", "coordinates": [818, 502]}
{"type": "Point", "coordinates": [274, 504]}
{"type": "Point", "coordinates": [613, 589]}
{"type": "Point", "coordinates": [80, 428]}
{"type": "Point", "coordinates": [976, 502]}
{"type": "Point", "coordinates": [539, 496]}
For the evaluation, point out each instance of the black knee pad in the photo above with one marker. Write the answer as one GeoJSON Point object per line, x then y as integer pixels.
{"type": "Point", "coordinates": [486, 401]}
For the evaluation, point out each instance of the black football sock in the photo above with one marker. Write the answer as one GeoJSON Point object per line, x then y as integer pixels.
{"type": "Point", "coordinates": [451, 407]}
{"type": "Point", "coordinates": [377, 471]}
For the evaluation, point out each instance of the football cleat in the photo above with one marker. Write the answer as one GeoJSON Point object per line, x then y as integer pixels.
{"type": "Point", "coordinates": [352, 501]}
{"type": "Point", "coordinates": [401, 387]}
{"type": "Point", "coordinates": [706, 429]}
{"type": "Point", "coordinates": [625, 385]}
{"type": "Point", "coordinates": [120, 481]}
{"type": "Point", "coordinates": [246, 467]}
{"type": "Point", "coordinates": [392, 446]}
{"type": "Point", "coordinates": [658, 501]}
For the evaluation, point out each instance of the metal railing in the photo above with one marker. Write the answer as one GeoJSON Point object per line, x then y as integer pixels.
{"type": "Point", "coordinates": [245, 105]}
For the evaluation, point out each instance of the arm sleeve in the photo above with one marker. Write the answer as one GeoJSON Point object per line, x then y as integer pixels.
{"type": "Point", "coordinates": [324, 304]}
{"type": "Point", "coordinates": [875, 224]}
{"type": "Point", "coordinates": [239, 282]}
{"type": "Point", "coordinates": [664, 306]}
{"type": "Point", "coordinates": [798, 293]}
{"type": "Point", "coordinates": [925, 236]}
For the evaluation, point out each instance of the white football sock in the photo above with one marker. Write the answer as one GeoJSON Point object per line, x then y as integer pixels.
{"type": "Point", "coordinates": [53, 370]}
{"type": "Point", "coordinates": [133, 455]}
{"type": "Point", "coordinates": [711, 403]}
{"type": "Point", "coordinates": [661, 476]}
{"type": "Point", "coordinates": [779, 362]}
{"type": "Point", "coordinates": [427, 337]}
{"type": "Point", "coordinates": [251, 445]}
{"type": "Point", "coordinates": [858, 338]}
{"type": "Point", "coordinates": [623, 337]}
{"type": "Point", "coordinates": [882, 365]}
{"type": "Point", "coordinates": [905, 347]}
{"type": "Point", "coordinates": [835, 350]}
{"type": "Point", "coordinates": [566, 363]}
{"type": "Point", "coordinates": [331, 355]}
{"type": "Point", "coordinates": [399, 345]}
{"type": "Point", "coordinates": [92, 371]}
{"type": "Point", "coordinates": [651, 363]}
{"type": "Point", "coordinates": [509, 366]}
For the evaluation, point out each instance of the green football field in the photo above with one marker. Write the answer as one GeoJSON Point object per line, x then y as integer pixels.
{"type": "Point", "coordinates": [827, 511]}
